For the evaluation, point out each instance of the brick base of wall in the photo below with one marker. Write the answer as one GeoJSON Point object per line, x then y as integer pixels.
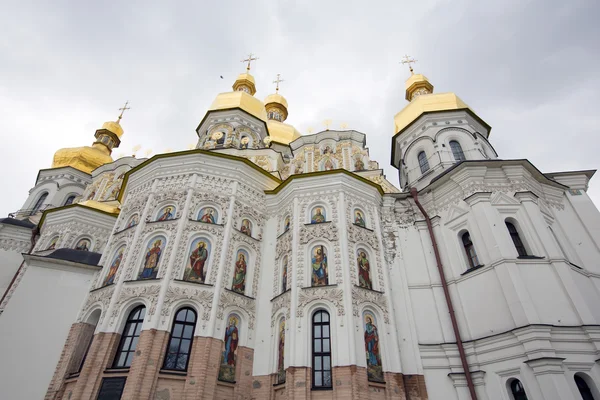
{"type": "Point", "coordinates": [146, 380]}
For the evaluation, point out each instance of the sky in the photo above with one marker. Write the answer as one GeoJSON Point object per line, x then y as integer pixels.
{"type": "Point", "coordinates": [528, 68]}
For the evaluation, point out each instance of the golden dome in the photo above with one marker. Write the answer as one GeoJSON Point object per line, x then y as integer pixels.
{"type": "Point", "coordinates": [282, 133]}
{"type": "Point", "coordinates": [113, 127]}
{"type": "Point", "coordinates": [277, 107]}
{"type": "Point", "coordinates": [112, 207]}
{"type": "Point", "coordinates": [85, 159]}
{"type": "Point", "coordinates": [277, 99]}
{"type": "Point", "coordinates": [241, 100]}
{"type": "Point", "coordinates": [245, 81]}
{"type": "Point", "coordinates": [417, 85]}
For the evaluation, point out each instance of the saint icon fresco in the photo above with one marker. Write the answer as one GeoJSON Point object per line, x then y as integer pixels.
{"type": "Point", "coordinates": [286, 224]}
{"type": "Point", "coordinates": [246, 227]}
{"type": "Point", "coordinates": [239, 274]}
{"type": "Point", "coordinates": [359, 165]}
{"type": "Point", "coordinates": [114, 267]}
{"type": "Point", "coordinates": [230, 345]}
{"type": "Point", "coordinates": [318, 216]}
{"type": "Point", "coordinates": [280, 353]}
{"type": "Point", "coordinates": [284, 273]}
{"type": "Point", "coordinates": [152, 258]}
{"type": "Point", "coordinates": [319, 266]}
{"type": "Point", "coordinates": [166, 213]}
{"type": "Point", "coordinates": [83, 245]}
{"type": "Point", "coordinates": [374, 369]}
{"type": "Point", "coordinates": [364, 270]}
{"type": "Point", "coordinates": [208, 215]}
{"type": "Point", "coordinates": [133, 221]}
{"type": "Point", "coordinates": [195, 270]}
{"type": "Point", "coordinates": [358, 219]}
{"type": "Point", "coordinates": [52, 244]}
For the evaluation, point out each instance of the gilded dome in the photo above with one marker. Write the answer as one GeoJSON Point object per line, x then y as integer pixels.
{"type": "Point", "coordinates": [282, 133]}
{"type": "Point", "coordinates": [245, 82]}
{"type": "Point", "coordinates": [113, 127]}
{"type": "Point", "coordinates": [277, 99]}
{"type": "Point", "coordinates": [241, 100]}
{"type": "Point", "coordinates": [85, 159]}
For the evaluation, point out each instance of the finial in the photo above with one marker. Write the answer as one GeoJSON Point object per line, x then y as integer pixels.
{"type": "Point", "coordinates": [148, 152]}
{"type": "Point", "coordinates": [135, 149]}
{"type": "Point", "coordinates": [278, 81]}
{"type": "Point", "coordinates": [249, 60]}
{"type": "Point", "coordinates": [343, 125]}
{"type": "Point", "coordinates": [191, 146]}
{"type": "Point", "coordinates": [122, 109]}
{"type": "Point", "coordinates": [409, 60]}
{"type": "Point", "coordinates": [327, 122]}
{"type": "Point", "coordinates": [310, 130]}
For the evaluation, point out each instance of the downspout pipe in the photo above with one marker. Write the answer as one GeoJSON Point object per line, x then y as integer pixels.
{"type": "Point", "coordinates": [438, 259]}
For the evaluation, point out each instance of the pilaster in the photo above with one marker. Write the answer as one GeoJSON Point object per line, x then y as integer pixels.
{"type": "Point", "coordinates": [550, 375]}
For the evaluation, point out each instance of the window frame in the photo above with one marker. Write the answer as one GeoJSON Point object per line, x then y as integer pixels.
{"type": "Point", "coordinates": [587, 386]}
{"type": "Point", "coordinates": [39, 203]}
{"type": "Point", "coordinates": [71, 197]}
{"type": "Point", "coordinates": [522, 395]}
{"type": "Point", "coordinates": [321, 354]}
{"type": "Point", "coordinates": [423, 161]}
{"type": "Point", "coordinates": [471, 258]}
{"type": "Point", "coordinates": [515, 236]}
{"type": "Point", "coordinates": [185, 323]}
{"type": "Point", "coordinates": [138, 321]}
{"type": "Point", "coordinates": [457, 150]}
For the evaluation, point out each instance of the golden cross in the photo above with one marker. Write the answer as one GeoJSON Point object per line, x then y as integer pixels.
{"type": "Point", "coordinates": [327, 122]}
{"type": "Point", "coordinates": [122, 109]}
{"type": "Point", "coordinates": [278, 81]}
{"type": "Point", "coordinates": [343, 125]}
{"type": "Point", "coordinates": [249, 60]}
{"type": "Point", "coordinates": [408, 60]}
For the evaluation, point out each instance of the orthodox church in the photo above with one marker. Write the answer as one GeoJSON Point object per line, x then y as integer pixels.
{"type": "Point", "coordinates": [266, 264]}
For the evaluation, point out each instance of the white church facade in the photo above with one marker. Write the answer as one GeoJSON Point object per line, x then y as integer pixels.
{"type": "Point", "coordinates": [266, 264]}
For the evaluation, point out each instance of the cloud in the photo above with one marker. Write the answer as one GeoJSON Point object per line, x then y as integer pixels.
{"type": "Point", "coordinates": [527, 68]}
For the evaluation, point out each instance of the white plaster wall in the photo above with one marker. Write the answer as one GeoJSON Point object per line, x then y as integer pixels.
{"type": "Point", "coordinates": [35, 325]}
{"type": "Point", "coordinates": [9, 264]}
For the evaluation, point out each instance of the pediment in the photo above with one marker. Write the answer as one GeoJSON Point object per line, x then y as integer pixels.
{"type": "Point", "coordinates": [502, 199]}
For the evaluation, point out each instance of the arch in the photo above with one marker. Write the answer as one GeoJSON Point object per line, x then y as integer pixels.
{"type": "Point", "coordinates": [461, 131]}
{"type": "Point", "coordinates": [209, 213]}
{"type": "Point", "coordinates": [516, 389]}
{"type": "Point", "coordinates": [457, 151]}
{"type": "Point", "coordinates": [372, 346]}
{"type": "Point", "coordinates": [115, 264]}
{"type": "Point", "coordinates": [287, 223]}
{"type": "Point", "coordinates": [93, 314]}
{"type": "Point", "coordinates": [514, 230]}
{"type": "Point", "coordinates": [166, 212]}
{"type": "Point", "coordinates": [231, 342]}
{"type": "Point", "coordinates": [423, 161]}
{"type": "Point", "coordinates": [247, 225]}
{"type": "Point", "coordinates": [126, 309]}
{"type": "Point", "coordinates": [83, 243]}
{"type": "Point", "coordinates": [469, 251]}
{"type": "Point", "coordinates": [328, 163]}
{"type": "Point", "coordinates": [317, 213]}
{"type": "Point", "coordinates": [327, 147]}
{"type": "Point", "coordinates": [153, 258]}
{"type": "Point", "coordinates": [69, 199]}
{"type": "Point", "coordinates": [180, 339]}
{"type": "Point", "coordinates": [586, 387]}
{"type": "Point", "coordinates": [39, 202]}
{"type": "Point", "coordinates": [487, 142]}
{"type": "Point", "coordinates": [364, 266]}
{"type": "Point", "coordinates": [359, 161]}
{"type": "Point", "coordinates": [318, 263]}
{"type": "Point", "coordinates": [52, 242]}
{"type": "Point", "coordinates": [133, 220]}
{"type": "Point", "coordinates": [129, 337]}
{"type": "Point", "coordinates": [419, 146]}
{"type": "Point", "coordinates": [199, 259]}
{"type": "Point", "coordinates": [359, 217]}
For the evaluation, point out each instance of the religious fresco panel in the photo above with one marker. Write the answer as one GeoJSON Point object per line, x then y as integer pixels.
{"type": "Point", "coordinates": [284, 273]}
{"type": "Point", "coordinates": [318, 215]}
{"type": "Point", "coordinates": [230, 345]}
{"type": "Point", "coordinates": [372, 349]}
{"type": "Point", "coordinates": [359, 218]}
{"type": "Point", "coordinates": [166, 213]}
{"type": "Point", "coordinates": [209, 215]}
{"type": "Point", "coordinates": [83, 245]}
{"type": "Point", "coordinates": [246, 227]}
{"type": "Point", "coordinates": [133, 221]}
{"type": "Point", "coordinates": [240, 270]}
{"type": "Point", "coordinates": [151, 261]}
{"type": "Point", "coordinates": [114, 267]}
{"type": "Point", "coordinates": [281, 353]}
{"type": "Point", "coordinates": [319, 266]}
{"type": "Point", "coordinates": [364, 269]}
{"type": "Point", "coordinates": [197, 264]}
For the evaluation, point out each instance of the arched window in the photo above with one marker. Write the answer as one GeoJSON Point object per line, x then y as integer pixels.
{"type": "Point", "coordinates": [457, 151]}
{"type": "Point", "coordinates": [321, 351]}
{"type": "Point", "coordinates": [180, 342]}
{"type": "Point", "coordinates": [470, 250]}
{"type": "Point", "coordinates": [69, 200]}
{"type": "Point", "coordinates": [39, 202]}
{"type": "Point", "coordinates": [584, 389]}
{"type": "Point", "coordinates": [423, 163]}
{"type": "Point", "coordinates": [514, 235]}
{"type": "Point", "coordinates": [129, 338]}
{"type": "Point", "coordinates": [517, 390]}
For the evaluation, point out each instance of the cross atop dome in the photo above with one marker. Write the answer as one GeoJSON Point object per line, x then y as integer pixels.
{"type": "Point", "coordinates": [409, 60]}
{"type": "Point", "coordinates": [277, 82]}
{"type": "Point", "coordinates": [123, 109]}
{"type": "Point", "coordinates": [249, 60]}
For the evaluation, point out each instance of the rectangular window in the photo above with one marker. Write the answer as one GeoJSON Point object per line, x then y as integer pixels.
{"type": "Point", "coordinates": [321, 351]}
{"type": "Point", "coordinates": [111, 388]}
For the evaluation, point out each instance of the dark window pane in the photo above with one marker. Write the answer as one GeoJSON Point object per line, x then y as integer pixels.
{"type": "Point", "coordinates": [318, 379]}
{"type": "Point", "coordinates": [177, 330]}
{"type": "Point", "coordinates": [138, 329]}
{"type": "Point", "coordinates": [317, 365]}
{"type": "Point", "coordinates": [326, 331]}
{"type": "Point", "coordinates": [122, 358]}
{"type": "Point", "coordinates": [327, 379]}
{"type": "Point", "coordinates": [317, 317]}
{"type": "Point", "coordinates": [327, 363]}
{"type": "Point", "coordinates": [326, 345]}
{"type": "Point", "coordinates": [126, 343]}
{"type": "Point", "coordinates": [174, 345]}
{"type": "Point", "coordinates": [130, 329]}
{"type": "Point", "coordinates": [191, 316]}
{"type": "Point", "coordinates": [181, 315]}
{"type": "Point", "coordinates": [317, 331]}
{"type": "Point", "coordinates": [142, 313]}
{"type": "Point", "coordinates": [134, 343]}
{"type": "Point", "coordinates": [129, 359]}
{"type": "Point", "coordinates": [325, 316]}
{"type": "Point", "coordinates": [185, 346]}
{"type": "Point", "coordinates": [317, 345]}
{"type": "Point", "coordinates": [188, 331]}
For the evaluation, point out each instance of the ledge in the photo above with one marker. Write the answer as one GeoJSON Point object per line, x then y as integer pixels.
{"type": "Point", "coordinates": [116, 370]}
{"type": "Point", "coordinates": [193, 283]}
{"type": "Point", "coordinates": [318, 223]}
{"type": "Point", "coordinates": [281, 294]}
{"type": "Point", "coordinates": [317, 287]}
{"type": "Point", "coordinates": [102, 287]}
{"type": "Point", "coordinates": [167, 220]}
{"type": "Point", "coordinates": [125, 229]}
{"type": "Point", "coordinates": [226, 383]}
{"type": "Point", "coordinates": [530, 258]}
{"type": "Point", "coordinates": [367, 289]}
{"type": "Point", "coordinates": [279, 385]}
{"type": "Point", "coordinates": [205, 223]}
{"type": "Point", "coordinates": [173, 372]}
{"type": "Point", "coordinates": [240, 294]}
{"type": "Point", "coordinates": [251, 237]}
{"type": "Point", "coordinates": [284, 232]}
{"type": "Point", "coordinates": [472, 269]}
{"type": "Point", "coordinates": [363, 227]}
{"type": "Point", "coordinates": [380, 384]}
{"type": "Point", "coordinates": [143, 280]}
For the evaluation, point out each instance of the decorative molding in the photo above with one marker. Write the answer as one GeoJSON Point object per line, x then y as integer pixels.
{"type": "Point", "coordinates": [230, 299]}
{"type": "Point", "coordinates": [201, 296]}
{"type": "Point", "coordinates": [362, 296]}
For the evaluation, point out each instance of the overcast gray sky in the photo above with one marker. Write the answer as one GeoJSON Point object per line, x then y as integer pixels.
{"type": "Point", "coordinates": [528, 68]}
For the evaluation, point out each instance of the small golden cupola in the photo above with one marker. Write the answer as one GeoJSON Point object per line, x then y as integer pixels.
{"type": "Point", "coordinates": [242, 96]}
{"type": "Point", "coordinates": [88, 158]}
{"type": "Point", "coordinates": [277, 112]}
